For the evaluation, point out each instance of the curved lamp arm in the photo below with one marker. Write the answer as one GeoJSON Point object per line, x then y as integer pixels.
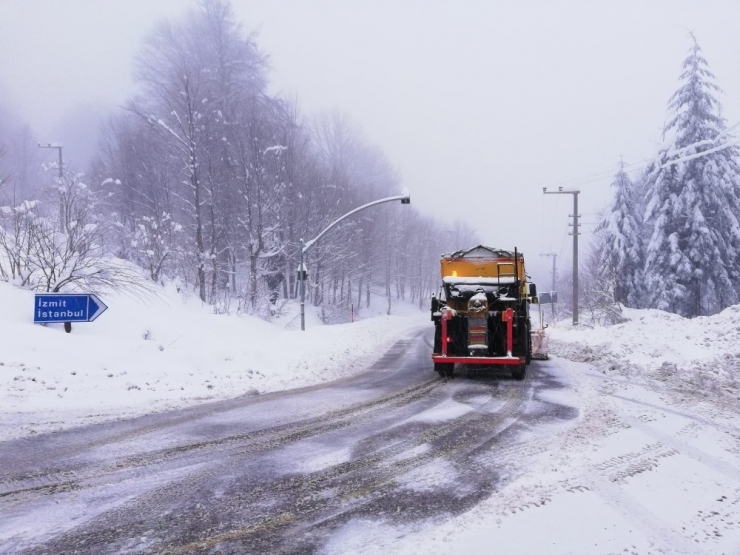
{"type": "Point", "coordinates": [405, 199]}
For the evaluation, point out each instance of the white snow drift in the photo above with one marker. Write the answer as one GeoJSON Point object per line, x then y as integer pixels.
{"type": "Point", "coordinates": [650, 466]}
{"type": "Point", "coordinates": [166, 352]}
{"type": "Point", "coordinates": [699, 354]}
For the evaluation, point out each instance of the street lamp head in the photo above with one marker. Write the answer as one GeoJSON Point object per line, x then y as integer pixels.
{"type": "Point", "coordinates": [406, 196]}
{"type": "Point", "coordinates": [544, 189]}
{"type": "Point", "coordinates": [50, 145]}
{"type": "Point", "coordinates": [560, 188]}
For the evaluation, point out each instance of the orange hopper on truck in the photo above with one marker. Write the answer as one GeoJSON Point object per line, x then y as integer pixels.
{"type": "Point", "coordinates": [483, 315]}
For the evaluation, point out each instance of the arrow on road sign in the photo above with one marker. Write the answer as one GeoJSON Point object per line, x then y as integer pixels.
{"type": "Point", "coordinates": [95, 308]}
{"type": "Point", "coordinates": [67, 307]}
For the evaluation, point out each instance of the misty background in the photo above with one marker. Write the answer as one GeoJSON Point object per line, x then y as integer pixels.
{"type": "Point", "coordinates": [476, 105]}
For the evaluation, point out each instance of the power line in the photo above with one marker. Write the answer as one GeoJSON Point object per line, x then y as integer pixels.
{"type": "Point", "coordinates": [598, 176]}
{"type": "Point", "coordinates": [700, 154]}
{"type": "Point", "coordinates": [628, 168]}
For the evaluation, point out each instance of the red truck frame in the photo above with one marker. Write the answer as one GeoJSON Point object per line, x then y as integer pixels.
{"type": "Point", "coordinates": [508, 317]}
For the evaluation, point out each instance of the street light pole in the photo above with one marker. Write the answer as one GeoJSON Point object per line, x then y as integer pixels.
{"type": "Point", "coordinates": [302, 279]}
{"type": "Point", "coordinates": [575, 234]}
{"type": "Point", "coordinates": [58, 146]}
{"type": "Point", "coordinates": [305, 245]}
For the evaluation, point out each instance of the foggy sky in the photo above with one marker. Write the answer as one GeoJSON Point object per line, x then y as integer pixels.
{"type": "Point", "coordinates": [479, 104]}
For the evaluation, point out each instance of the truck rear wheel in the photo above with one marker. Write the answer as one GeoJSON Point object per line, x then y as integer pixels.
{"type": "Point", "coordinates": [444, 369]}
{"type": "Point", "coordinates": [519, 372]}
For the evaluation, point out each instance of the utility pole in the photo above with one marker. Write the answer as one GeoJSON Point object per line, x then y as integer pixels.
{"type": "Point", "coordinates": [575, 234]}
{"type": "Point", "coordinates": [58, 146]}
{"type": "Point", "coordinates": [554, 279]}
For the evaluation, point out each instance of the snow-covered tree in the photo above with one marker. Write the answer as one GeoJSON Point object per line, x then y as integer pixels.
{"type": "Point", "coordinates": [210, 179]}
{"type": "Point", "coordinates": [621, 252]}
{"type": "Point", "coordinates": [692, 202]}
{"type": "Point", "coordinates": [21, 172]}
{"type": "Point", "coordinates": [599, 283]}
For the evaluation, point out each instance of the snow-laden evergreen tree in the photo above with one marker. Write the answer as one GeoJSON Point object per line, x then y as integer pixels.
{"type": "Point", "coordinates": [693, 203]}
{"type": "Point", "coordinates": [620, 229]}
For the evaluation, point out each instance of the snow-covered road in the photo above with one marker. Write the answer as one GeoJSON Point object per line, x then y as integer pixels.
{"type": "Point", "coordinates": [645, 469]}
{"type": "Point", "coordinates": [394, 460]}
{"type": "Point", "coordinates": [278, 472]}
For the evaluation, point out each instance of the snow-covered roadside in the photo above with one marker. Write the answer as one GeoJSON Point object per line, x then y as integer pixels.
{"type": "Point", "coordinates": [694, 355]}
{"type": "Point", "coordinates": [165, 352]}
{"type": "Point", "coordinates": [641, 471]}
{"type": "Point", "coordinates": [651, 465]}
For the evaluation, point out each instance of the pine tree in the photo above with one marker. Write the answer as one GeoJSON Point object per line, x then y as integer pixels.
{"type": "Point", "coordinates": [693, 203]}
{"type": "Point", "coordinates": [621, 255]}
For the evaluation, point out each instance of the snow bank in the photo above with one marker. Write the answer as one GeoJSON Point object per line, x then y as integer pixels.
{"type": "Point", "coordinates": [701, 354]}
{"type": "Point", "coordinates": [166, 352]}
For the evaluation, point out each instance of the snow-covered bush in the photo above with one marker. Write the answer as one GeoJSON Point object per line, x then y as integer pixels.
{"type": "Point", "coordinates": [57, 243]}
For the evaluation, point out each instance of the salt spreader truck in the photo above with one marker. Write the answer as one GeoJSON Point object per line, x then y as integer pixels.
{"type": "Point", "coordinates": [483, 315]}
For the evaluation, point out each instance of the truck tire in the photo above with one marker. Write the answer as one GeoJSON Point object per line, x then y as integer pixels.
{"type": "Point", "coordinates": [437, 338]}
{"type": "Point", "coordinates": [519, 372]}
{"type": "Point", "coordinates": [444, 369]}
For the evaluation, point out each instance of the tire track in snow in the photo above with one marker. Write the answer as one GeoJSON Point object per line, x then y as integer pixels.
{"type": "Point", "coordinates": [316, 499]}
{"type": "Point", "coordinates": [353, 485]}
{"type": "Point", "coordinates": [45, 481]}
{"type": "Point", "coordinates": [726, 469]}
{"type": "Point", "coordinates": [266, 439]}
{"type": "Point", "coordinates": [605, 479]}
{"type": "Point", "coordinates": [627, 465]}
{"type": "Point", "coordinates": [366, 486]}
{"type": "Point", "coordinates": [705, 421]}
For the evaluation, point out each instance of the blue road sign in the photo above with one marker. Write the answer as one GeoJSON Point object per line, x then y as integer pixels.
{"type": "Point", "coordinates": [67, 307]}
